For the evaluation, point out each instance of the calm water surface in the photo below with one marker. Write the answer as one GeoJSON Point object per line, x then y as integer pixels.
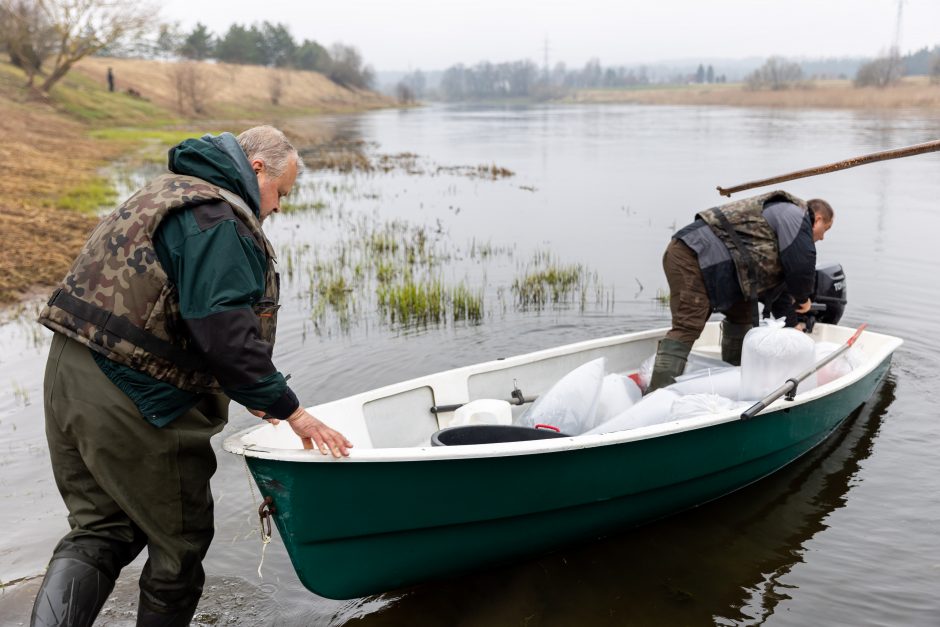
{"type": "Point", "coordinates": [847, 536]}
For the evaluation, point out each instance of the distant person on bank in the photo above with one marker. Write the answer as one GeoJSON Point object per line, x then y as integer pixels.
{"type": "Point", "coordinates": [167, 313]}
{"type": "Point", "coordinates": [110, 80]}
{"type": "Point", "coordinates": [759, 249]}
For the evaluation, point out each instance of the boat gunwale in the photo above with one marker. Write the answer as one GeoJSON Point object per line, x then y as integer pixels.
{"type": "Point", "coordinates": [235, 443]}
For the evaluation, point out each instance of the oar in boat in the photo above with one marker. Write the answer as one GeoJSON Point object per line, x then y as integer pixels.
{"type": "Point", "coordinates": [916, 149]}
{"type": "Point", "coordinates": [789, 388]}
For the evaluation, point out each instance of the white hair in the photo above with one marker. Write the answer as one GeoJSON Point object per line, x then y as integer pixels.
{"type": "Point", "coordinates": [270, 146]}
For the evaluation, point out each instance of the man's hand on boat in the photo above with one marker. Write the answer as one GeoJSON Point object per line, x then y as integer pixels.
{"type": "Point", "coordinates": [312, 432]}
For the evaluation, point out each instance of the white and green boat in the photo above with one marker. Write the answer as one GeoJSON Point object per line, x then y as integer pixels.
{"type": "Point", "coordinates": [399, 511]}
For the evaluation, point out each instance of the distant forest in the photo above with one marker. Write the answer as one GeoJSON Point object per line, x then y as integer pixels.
{"type": "Point", "coordinates": [526, 79]}
{"type": "Point", "coordinates": [258, 44]}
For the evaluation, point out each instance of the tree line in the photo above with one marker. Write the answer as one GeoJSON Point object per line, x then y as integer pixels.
{"type": "Point", "coordinates": [267, 44]}
{"type": "Point", "coordinates": [45, 38]}
{"type": "Point", "coordinates": [526, 79]}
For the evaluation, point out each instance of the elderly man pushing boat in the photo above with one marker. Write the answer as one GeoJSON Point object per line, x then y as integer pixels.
{"type": "Point", "coordinates": [732, 257]}
{"type": "Point", "coordinates": [167, 313]}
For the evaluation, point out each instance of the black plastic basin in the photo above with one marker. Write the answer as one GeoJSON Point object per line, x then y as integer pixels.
{"type": "Point", "coordinates": [490, 434]}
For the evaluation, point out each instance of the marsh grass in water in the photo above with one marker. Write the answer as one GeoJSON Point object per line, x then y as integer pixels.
{"type": "Point", "coordinates": [546, 282]}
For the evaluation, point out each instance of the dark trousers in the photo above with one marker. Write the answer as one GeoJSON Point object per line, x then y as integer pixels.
{"type": "Point", "coordinates": [688, 298]}
{"type": "Point", "coordinates": [128, 484]}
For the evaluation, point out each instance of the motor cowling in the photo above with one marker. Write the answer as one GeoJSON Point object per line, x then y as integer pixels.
{"type": "Point", "coordinates": [831, 292]}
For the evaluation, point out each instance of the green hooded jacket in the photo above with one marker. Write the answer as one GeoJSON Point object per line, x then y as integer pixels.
{"type": "Point", "coordinates": [218, 270]}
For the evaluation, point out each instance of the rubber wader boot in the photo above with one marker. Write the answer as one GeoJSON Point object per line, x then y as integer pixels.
{"type": "Point", "coordinates": [732, 339]}
{"type": "Point", "coordinates": [71, 594]}
{"type": "Point", "coordinates": [670, 363]}
{"type": "Point", "coordinates": [147, 617]}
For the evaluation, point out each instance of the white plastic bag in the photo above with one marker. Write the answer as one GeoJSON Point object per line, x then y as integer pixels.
{"type": "Point", "coordinates": [618, 393]}
{"type": "Point", "coordinates": [721, 381]}
{"type": "Point", "coordinates": [571, 404]}
{"type": "Point", "coordinates": [772, 354]}
{"type": "Point", "coordinates": [841, 365]}
{"type": "Point", "coordinates": [694, 363]}
{"type": "Point", "coordinates": [645, 373]}
{"type": "Point", "coordinates": [697, 363]}
{"type": "Point", "coordinates": [696, 405]}
{"type": "Point", "coordinates": [652, 409]}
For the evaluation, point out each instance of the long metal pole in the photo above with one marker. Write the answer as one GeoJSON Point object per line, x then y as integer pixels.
{"type": "Point", "coordinates": [916, 149]}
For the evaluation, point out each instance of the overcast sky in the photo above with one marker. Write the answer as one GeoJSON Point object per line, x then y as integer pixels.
{"type": "Point", "coordinates": [435, 34]}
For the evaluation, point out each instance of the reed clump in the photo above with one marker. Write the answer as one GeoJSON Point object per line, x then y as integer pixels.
{"type": "Point", "coordinates": [546, 282]}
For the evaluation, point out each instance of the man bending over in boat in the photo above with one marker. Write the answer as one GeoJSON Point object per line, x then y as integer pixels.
{"type": "Point", "coordinates": [167, 313]}
{"type": "Point", "coordinates": [759, 249]}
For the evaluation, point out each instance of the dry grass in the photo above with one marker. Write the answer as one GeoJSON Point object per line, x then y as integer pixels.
{"type": "Point", "coordinates": [911, 93]}
{"type": "Point", "coordinates": [234, 90]}
{"type": "Point", "coordinates": [54, 147]}
{"type": "Point", "coordinates": [43, 153]}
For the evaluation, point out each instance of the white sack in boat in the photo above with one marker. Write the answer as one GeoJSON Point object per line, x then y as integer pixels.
{"type": "Point", "coordinates": [653, 409]}
{"type": "Point", "coordinates": [841, 365]}
{"type": "Point", "coordinates": [695, 363]}
{"type": "Point", "coordinates": [721, 381]}
{"type": "Point", "coordinates": [618, 393]}
{"type": "Point", "coordinates": [772, 354]}
{"type": "Point", "coordinates": [695, 405]}
{"type": "Point", "coordinates": [570, 404]}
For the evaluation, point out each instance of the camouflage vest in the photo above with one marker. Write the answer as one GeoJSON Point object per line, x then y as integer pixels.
{"type": "Point", "coordinates": [741, 226]}
{"type": "Point", "coordinates": [117, 299]}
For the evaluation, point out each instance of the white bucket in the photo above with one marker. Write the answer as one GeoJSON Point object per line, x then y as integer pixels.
{"type": "Point", "coordinates": [483, 411]}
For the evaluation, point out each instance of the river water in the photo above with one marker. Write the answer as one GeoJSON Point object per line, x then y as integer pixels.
{"type": "Point", "coordinates": [846, 536]}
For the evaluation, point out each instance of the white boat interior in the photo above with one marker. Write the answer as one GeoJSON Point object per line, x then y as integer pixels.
{"type": "Point", "coordinates": [395, 422]}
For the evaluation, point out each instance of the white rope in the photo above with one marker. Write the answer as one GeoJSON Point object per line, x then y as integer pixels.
{"type": "Point", "coordinates": [265, 538]}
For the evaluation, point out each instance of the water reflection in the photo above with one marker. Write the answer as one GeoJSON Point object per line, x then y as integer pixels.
{"type": "Point", "coordinates": [718, 564]}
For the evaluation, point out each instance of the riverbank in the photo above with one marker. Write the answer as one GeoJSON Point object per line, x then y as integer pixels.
{"type": "Point", "coordinates": [912, 93]}
{"type": "Point", "coordinates": [55, 148]}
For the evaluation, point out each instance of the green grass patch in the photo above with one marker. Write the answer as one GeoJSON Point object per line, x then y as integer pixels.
{"type": "Point", "coordinates": [547, 282]}
{"type": "Point", "coordinates": [410, 301]}
{"type": "Point", "coordinates": [89, 197]}
{"type": "Point", "coordinates": [81, 98]}
{"type": "Point", "coordinates": [466, 304]}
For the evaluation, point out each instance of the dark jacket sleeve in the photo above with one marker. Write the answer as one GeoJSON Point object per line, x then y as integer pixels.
{"type": "Point", "coordinates": [218, 270]}
{"type": "Point", "coordinates": [794, 228]}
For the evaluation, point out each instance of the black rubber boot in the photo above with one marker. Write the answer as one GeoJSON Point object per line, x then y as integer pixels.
{"type": "Point", "coordinates": [732, 340]}
{"type": "Point", "coordinates": [71, 594]}
{"type": "Point", "coordinates": [671, 357]}
{"type": "Point", "coordinates": [147, 617]}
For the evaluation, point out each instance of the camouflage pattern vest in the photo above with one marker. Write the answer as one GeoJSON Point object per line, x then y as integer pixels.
{"type": "Point", "coordinates": [117, 299]}
{"type": "Point", "coordinates": [741, 226]}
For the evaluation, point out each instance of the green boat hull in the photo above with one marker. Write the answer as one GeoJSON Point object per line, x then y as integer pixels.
{"type": "Point", "coordinates": [357, 529]}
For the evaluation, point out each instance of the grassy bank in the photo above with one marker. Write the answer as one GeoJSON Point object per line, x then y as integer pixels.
{"type": "Point", "coordinates": [55, 148]}
{"type": "Point", "coordinates": [912, 93]}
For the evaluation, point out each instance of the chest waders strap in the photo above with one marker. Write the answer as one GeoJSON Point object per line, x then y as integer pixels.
{"type": "Point", "coordinates": [121, 327]}
{"type": "Point", "coordinates": [748, 261]}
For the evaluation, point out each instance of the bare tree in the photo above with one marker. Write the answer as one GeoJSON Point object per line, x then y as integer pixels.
{"type": "Point", "coordinates": [192, 84]}
{"type": "Point", "coordinates": [26, 36]}
{"type": "Point", "coordinates": [776, 73]}
{"type": "Point", "coordinates": [83, 27]}
{"type": "Point", "coordinates": [404, 93]}
{"type": "Point", "coordinates": [935, 69]}
{"type": "Point", "coordinates": [881, 72]}
{"type": "Point", "coordinates": [277, 81]}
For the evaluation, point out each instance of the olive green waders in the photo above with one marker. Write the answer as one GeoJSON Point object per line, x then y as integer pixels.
{"type": "Point", "coordinates": [690, 308]}
{"type": "Point", "coordinates": [127, 485]}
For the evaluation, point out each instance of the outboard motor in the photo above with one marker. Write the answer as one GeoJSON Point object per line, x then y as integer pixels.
{"type": "Point", "coordinates": [828, 298]}
{"type": "Point", "coordinates": [830, 291]}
